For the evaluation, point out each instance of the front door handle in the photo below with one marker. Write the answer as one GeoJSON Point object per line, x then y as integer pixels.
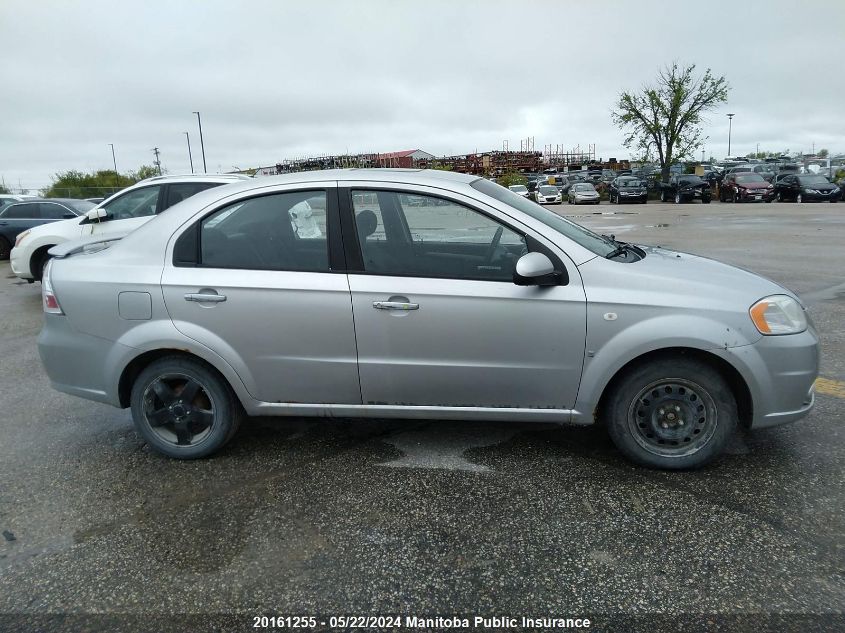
{"type": "Point", "coordinates": [395, 305]}
{"type": "Point", "coordinates": [204, 298]}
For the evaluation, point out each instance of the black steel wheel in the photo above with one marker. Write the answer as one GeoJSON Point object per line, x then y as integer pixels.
{"type": "Point", "coordinates": [183, 408]}
{"type": "Point", "coordinates": [675, 413]}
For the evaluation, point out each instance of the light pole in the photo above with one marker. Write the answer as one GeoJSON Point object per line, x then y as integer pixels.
{"type": "Point", "coordinates": [114, 162]}
{"type": "Point", "coordinates": [190, 158]}
{"type": "Point", "coordinates": [730, 120]}
{"type": "Point", "coordinates": [202, 146]}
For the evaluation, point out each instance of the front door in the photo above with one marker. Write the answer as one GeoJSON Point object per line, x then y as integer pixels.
{"type": "Point", "coordinates": [251, 283]}
{"type": "Point", "coordinates": [438, 319]}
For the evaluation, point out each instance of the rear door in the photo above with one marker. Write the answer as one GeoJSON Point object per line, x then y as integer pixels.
{"type": "Point", "coordinates": [18, 218]}
{"type": "Point", "coordinates": [438, 319]}
{"type": "Point", "coordinates": [254, 281]}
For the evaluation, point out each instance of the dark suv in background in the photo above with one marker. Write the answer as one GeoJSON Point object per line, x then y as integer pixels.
{"type": "Point", "coordinates": [685, 188]}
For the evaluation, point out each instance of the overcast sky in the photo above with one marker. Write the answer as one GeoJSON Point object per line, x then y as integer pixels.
{"type": "Point", "coordinates": [282, 79]}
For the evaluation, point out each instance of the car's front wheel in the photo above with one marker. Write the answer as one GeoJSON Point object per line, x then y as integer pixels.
{"type": "Point", "coordinates": [678, 198]}
{"type": "Point", "coordinates": [184, 409]}
{"type": "Point", "coordinates": [799, 198]}
{"type": "Point", "coordinates": [675, 413]}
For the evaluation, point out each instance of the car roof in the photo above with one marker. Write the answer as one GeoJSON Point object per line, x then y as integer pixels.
{"type": "Point", "coordinates": [195, 178]}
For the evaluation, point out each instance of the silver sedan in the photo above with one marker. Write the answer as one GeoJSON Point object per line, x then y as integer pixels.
{"type": "Point", "coordinates": [417, 294]}
{"type": "Point", "coordinates": [583, 193]}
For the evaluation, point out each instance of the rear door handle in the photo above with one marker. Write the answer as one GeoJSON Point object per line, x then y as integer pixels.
{"type": "Point", "coordinates": [395, 305]}
{"type": "Point", "coordinates": [205, 298]}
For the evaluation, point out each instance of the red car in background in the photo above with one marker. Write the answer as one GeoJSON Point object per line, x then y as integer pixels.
{"type": "Point", "coordinates": [746, 187]}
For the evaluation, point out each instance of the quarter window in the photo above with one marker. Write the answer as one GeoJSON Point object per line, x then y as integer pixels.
{"type": "Point", "coordinates": [426, 236]}
{"type": "Point", "coordinates": [284, 231]}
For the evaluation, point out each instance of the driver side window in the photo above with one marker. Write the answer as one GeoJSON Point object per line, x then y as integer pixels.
{"type": "Point", "coordinates": [134, 204]}
{"type": "Point", "coordinates": [425, 236]}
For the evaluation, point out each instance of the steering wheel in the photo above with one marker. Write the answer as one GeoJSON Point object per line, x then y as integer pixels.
{"type": "Point", "coordinates": [491, 251]}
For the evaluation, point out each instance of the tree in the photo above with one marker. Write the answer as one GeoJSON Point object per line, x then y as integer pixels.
{"type": "Point", "coordinates": [102, 183]}
{"type": "Point", "coordinates": [665, 117]}
{"type": "Point", "coordinates": [512, 178]}
{"type": "Point", "coordinates": [823, 153]}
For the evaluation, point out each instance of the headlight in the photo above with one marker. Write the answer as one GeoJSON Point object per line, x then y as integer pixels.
{"type": "Point", "coordinates": [778, 314]}
{"type": "Point", "coordinates": [21, 236]}
{"type": "Point", "coordinates": [808, 190]}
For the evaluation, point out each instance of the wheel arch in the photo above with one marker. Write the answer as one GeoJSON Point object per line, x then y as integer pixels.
{"type": "Point", "coordinates": [34, 259]}
{"type": "Point", "coordinates": [737, 384]}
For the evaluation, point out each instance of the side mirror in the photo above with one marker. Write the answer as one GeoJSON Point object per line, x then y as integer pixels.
{"type": "Point", "coordinates": [96, 215]}
{"type": "Point", "coordinates": [535, 269]}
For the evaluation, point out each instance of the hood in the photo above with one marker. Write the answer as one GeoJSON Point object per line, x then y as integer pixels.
{"type": "Point", "coordinates": [672, 282]}
{"type": "Point", "coordinates": [824, 186]}
{"type": "Point", "coordinates": [61, 226]}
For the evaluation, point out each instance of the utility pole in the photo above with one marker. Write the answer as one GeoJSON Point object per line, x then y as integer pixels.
{"type": "Point", "coordinates": [730, 120]}
{"type": "Point", "coordinates": [157, 162]}
{"type": "Point", "coordinates": [202, 145]}
{"type": "Point", "coordinates": [114, 160]}
{"type": "Point", "coordinates": [190, 158]}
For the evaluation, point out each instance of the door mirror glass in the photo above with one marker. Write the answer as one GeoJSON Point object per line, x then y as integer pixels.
{"type": "Point", "coordinates": [535, 269]}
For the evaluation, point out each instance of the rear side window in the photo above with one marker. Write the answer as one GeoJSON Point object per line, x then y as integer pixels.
{"type": "Point", "coordinates": [183, 190]}
{"type": "Point", "coordinates": [283, 231]}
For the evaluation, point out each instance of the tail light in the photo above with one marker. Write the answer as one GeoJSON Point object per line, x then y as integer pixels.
{"type": "Point", "coordinates": [48, 297]}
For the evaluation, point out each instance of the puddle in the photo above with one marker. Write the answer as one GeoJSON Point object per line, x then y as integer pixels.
{"type": "Point", "coordinates": [442, 447]}
{"type": "Point", "coordinates": [656, 226]}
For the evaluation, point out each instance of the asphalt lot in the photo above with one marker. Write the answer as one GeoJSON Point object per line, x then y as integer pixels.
{"type": "Point", "coordinates": [336, 516]}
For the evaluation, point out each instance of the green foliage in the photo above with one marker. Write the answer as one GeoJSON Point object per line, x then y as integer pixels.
{"type": "Point", "coordinates": [512, 178]}
{"type": "Point", "coordinates": [665, 117]}
{"type": "Point", "coordinates": [102, 183]}
{"type": "Point", "coordinates": [823, 153]}
{"type": "Point", "coordinates": [441, 166]}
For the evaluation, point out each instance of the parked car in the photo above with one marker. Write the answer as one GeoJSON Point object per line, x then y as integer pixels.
{"type": "Point", "coordinates": [628, 189]}
{"type": "Point", "coordinates": [7, 199]}
{"type": "Point", "coordinates": [522, 190]}
{"type": "Point", "coordinates": [118, 215]}
{"type": "Point", "coordinates": [746, 187]}
{"type": "Point", "coordinates": [583, 193]}
{"type": "Point", "coordinates": [217, 309]}
{"type": "Point", "coordinates": [547, 194]}
{"type": "Point", "coordinates": [713, 178]}
{"type": "Point", "coordinates": [685, 188]}
{"type": "Point", "coordinates": [806, 188]}
{"type": "Point", "coordinates": [19, 217]}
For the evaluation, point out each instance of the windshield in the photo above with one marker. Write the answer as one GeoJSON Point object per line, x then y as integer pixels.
{"type": "Point", "coordinates": [630, 182]}
{"type": "Point", "coordinates": [577, 233]}
{"type": "Point", "coordinates": [750, 178]}
{"type": "Point", "coordinates": [813, 180]}
{"type": "Point", "coordinates": [547, 190]}
{"type": "Point", "coordinates": [583, 187]}
{"type": "Point", "coordinates": [80, 205]}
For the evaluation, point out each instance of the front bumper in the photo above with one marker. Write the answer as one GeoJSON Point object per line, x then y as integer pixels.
{"type": "Point", "coordinates": [756, 195]}
{"type": "Point", "coordinates": [19, 266]}
{"type": "Point", "coordinates": [583, 200]}
{"type": "Point", "coordinates": [780, 372]}
{"type": "Point", "coordinates": [821, 197]}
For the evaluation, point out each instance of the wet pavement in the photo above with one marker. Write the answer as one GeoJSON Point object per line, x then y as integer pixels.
{"type": "Point", "coordinates": [371, 516]}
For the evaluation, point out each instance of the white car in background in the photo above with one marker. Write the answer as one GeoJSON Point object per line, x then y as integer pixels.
{"type": "Point", "coordinates": [521, 190]}
{"type": "Point", "coordinates": [120, 214]}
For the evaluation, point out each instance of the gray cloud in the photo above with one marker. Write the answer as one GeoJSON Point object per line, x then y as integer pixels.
{"type": "Point", "coordinates": [281, 79]}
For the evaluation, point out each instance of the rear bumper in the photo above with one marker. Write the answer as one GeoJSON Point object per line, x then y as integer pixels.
{"type": "Point", "coordinates": [76, 362]}
{"type": "Point", "coordinates": [780, 372]}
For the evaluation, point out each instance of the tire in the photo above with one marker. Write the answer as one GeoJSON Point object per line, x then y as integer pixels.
{"type": "Point", "coordinates": [692, 400]}
{"type": "Point", "coordinates": [678, 198]}
{"type": "Point", "coordinates": [662, 196]}
{"type": "Point", "coordinates": [705, 200]}
{"type": "Point", "coordinates": [184, 429]}
{"type": "Point", "coordinates": [5, 248]}
{"type": "Point", "coordinates": [779, 196]}
{"type": "Point", "coordinates": [36, 267]}
{"type": "Point", "coordinates": [799, 198]}
{"type": "Point", "coordinates": [735, 198]}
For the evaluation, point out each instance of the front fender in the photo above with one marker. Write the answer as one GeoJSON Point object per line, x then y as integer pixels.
{"type": "Point", "coordinates": [604, 359]}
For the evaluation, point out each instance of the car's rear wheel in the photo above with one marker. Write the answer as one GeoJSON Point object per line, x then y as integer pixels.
{"type": "Point", "coordinates": [183, 409]}
{"type": "Point", "coordinates": [674, 414]}
{"type": "Point", "coordinates": [5, 248]}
